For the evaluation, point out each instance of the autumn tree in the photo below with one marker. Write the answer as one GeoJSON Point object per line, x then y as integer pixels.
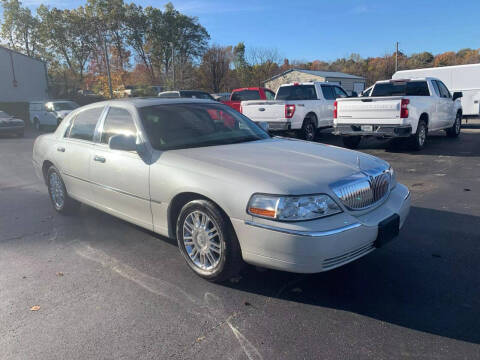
{"type": "Point", "coordinates": [214, 68]}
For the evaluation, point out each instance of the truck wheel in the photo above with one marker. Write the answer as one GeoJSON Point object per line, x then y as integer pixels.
{"type": "Point", "coordinates": [351, 142]}
{"type": "Point", "coordinates": [454, 131]}
{"type": "Point", "coordinates": [208, 242]}
{"type": "Point", "coordinates": [418, 140]}
{"type": "Point", "coordinates": [61, 202]}
{"type": "Point", "coordinates": [309, 129]}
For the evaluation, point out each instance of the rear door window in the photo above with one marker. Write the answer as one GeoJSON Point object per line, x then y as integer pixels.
{"type": "Point", "coordinates": [245, 95]}
{"type": "Point", "coordinates": [84, 124]}
{"type": "Point", "coordinates": [296, 92]}
{"type": "Point", "coordinates": [118, 122]}
{"type": "Point", "coordinates": [401, 88]}
{"type": "Point", "coordinates": [328, 92]}
{"type": "Point", "coordinates": [435, 88]}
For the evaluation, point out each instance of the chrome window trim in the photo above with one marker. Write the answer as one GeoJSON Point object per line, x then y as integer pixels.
{"type": "Point", "coordinates": [305, 233]}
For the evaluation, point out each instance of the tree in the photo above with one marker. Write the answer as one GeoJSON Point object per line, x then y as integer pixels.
{"type": "Point", "coordinates": [20, 27]}
{"type": "Point", "coordinates": [215, 67]}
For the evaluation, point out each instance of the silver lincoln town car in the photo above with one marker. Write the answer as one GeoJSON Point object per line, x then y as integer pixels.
{"type": "Point", "coordinates": [202, 173]}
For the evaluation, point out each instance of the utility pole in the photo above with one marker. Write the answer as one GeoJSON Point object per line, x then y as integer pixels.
{"type": "Point", "coordinates": [396, 57]}
{"type": "Point", "coordinates": [107, 62]}
{"type": "Point", "coordinates": [173, 66]}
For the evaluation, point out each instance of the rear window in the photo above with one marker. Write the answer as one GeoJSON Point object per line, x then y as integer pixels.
{"type": "Point", "coordinates": [297, 92]}
{"type": "Point", "coordinates": [245, 95]}
{"type": "Point", "coordinates": [406, 88]}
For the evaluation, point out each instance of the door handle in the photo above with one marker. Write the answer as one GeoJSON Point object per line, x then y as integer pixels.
{"type": "Point", "coordinates": [61, 149]}
{"type": "Point", "coordinates": [100, 159]}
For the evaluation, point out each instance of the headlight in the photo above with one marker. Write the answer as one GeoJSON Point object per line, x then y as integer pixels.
{"type": "Point", "coordinates": [292, 208]}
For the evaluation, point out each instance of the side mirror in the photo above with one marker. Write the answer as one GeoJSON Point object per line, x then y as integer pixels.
{"type": "Point", "coordinates": [123, 142]}
{"type": "Point", "coordinates": [264, 125]}
{"type": "Point", "coordinates": [457, 95]}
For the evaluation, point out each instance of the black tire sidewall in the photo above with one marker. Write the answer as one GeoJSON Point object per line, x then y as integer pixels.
{"type": "Point", "coordinates": [416, 137]}
{"type": "Point", "coordinates": [226, 238]}
{"type": "Point", "coordinates": [305, 134]}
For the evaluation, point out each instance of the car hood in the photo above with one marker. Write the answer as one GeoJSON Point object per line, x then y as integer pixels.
{"type": "Point", "coordinates": [275, 165]}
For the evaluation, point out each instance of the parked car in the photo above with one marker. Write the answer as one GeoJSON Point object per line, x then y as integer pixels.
{"type": "Point", "coordinates": [222, 97]}
{"type": "Point", "coordinates": [407, 109]}
{"type": "Point", "coordinates": [49, 113]}
{"type": "Point", "coordinates": [192, 94]}
{"type": "Point", "coordinates": [251, 93]}
{"type": "Point", "coordinates": [11, 125]}
{"type": "Point", "coordinates": [302, 107]}
{"type": "Point", "coordinates": [228, 192]}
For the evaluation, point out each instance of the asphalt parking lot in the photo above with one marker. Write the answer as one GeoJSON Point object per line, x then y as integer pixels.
{"type": "Point", "coordinates": [110, 290]}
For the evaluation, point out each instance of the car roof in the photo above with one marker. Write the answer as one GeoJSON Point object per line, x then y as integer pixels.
{"type": "Point", "coordinates": [152, 101]}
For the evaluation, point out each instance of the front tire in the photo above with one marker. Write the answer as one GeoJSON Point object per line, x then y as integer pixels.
{"type": "Point", "coordinates": [61, 201]}
{"type": "Point", "coordinates": [454, 131]}
{"type": "Point", "coordinates": [351, 142]}
{"type": "Point", "coordinates": [208, 242]}
{"type": "Point", "coordinates": [418, 140]}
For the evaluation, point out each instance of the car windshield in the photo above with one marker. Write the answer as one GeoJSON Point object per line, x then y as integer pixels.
{"type": "Point", "coordinates": [296, 92]}
{"type": "Point", "coordinates": [401, 88]}
{"type": "Point", "coordinates": [179, 126]}
{"type": "Point", "coordinates": [64, 105]}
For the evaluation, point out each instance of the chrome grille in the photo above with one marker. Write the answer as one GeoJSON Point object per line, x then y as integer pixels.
{"type": "Point", "coordinates": [363, 190]}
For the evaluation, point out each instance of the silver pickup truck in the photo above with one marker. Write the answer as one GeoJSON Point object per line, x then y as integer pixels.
{"type": "Point", "coordinates": [407, 109]}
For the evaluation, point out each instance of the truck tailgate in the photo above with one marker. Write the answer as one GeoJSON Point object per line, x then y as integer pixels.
{"type": "Point", "coordinates": [368, 108]}
{"type": "Point", "coordinates": [264, 110]}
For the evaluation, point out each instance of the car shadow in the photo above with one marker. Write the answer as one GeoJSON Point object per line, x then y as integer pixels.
{"type": "Point", "coordinates": [427, 280]}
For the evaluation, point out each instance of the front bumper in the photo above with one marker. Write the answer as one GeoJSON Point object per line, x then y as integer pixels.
{"type": "Point", "coordinates": [319, 245]}
{"type": "Point", "coordinates": [388, 131]}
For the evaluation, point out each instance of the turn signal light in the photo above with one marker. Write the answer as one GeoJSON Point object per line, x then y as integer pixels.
{"type": "Point", "coordinates": [262, 212]}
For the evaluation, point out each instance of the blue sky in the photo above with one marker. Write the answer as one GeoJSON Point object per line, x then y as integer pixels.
{"type": "Point", "coordinates": [326, 29]}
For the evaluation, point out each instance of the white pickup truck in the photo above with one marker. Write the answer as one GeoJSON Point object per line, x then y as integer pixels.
{"type": "Point", "coordinates": [303, 107]}
{"type": "Point", "coordinates": [406, 109]}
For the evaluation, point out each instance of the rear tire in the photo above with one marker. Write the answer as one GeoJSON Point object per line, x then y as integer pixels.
{"type": "Point", "coordinates": [309, 129]}
{"type": "Point", "coordinates": [351, 142]}
{"type": "Point", "coordinates": [61, 201]}
{"type": "Point", "coordinates": [418, 140]}
{"type": "Point", "coordinates": [454, 131]}
{"type": "Point", "coordinates": [214, 258]}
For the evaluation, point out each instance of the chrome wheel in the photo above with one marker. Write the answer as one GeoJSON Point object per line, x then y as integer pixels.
{"type": "Point", "coordinates": [56, 190]}
{"type": "Point", "coordinates": [422, 135]}
{"type": "Point", "coordinates": [202, 241]}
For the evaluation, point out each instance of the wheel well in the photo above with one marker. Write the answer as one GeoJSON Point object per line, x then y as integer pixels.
{"type": "Point", "coordinates": [424, 117]}
{"type": "Point", "coordinates": [313, 116]}
{"type": "Point", "coordinates": [176, 206]}
{"type": "Point", "coordinates": [46, 165]}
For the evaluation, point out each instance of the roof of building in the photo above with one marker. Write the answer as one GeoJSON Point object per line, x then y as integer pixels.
{"type": "Point", "coordinates": [324, 74]}
{"type": "Point", "coordinates": [19, 53]}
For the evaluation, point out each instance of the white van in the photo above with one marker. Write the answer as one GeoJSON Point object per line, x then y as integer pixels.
{"type": "Point", "coordinates": [49, 113]}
